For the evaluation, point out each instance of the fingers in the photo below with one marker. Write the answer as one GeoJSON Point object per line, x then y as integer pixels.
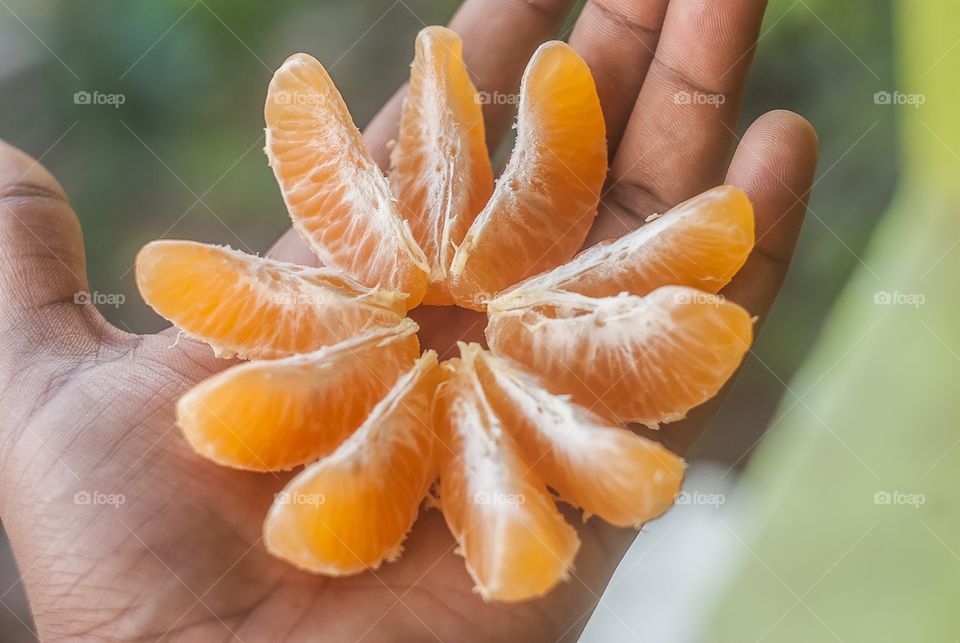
{"type": "Point", "coordinates": [680, 133]}
{"type": "Point", "coordinates": [617, 39]}
{"type": "Point", "coordinates": [775, 165]}
{"type": "Point", "coordinates": [41, 247]}
{"type": "Point", "coordinates": [499, 36]}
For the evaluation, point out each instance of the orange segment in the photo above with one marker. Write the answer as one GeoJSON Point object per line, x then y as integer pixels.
{"type": "Point", "coordinates": [351, 510]}
{"type": "Point", "coordinates": [633, 359]}
{"type": "Point", "coordinates": [251, 307]}
{"type": "Point", "coordinates": [702, 244]}
{"type": "Point", "coordinates": [338, 198]}
{"type": "Point", "coordinates": [441, 173]}
{"type": "Point", "coordinates": [276, 414]}
{"type": "Point", "coordinates": [515, 542]}
{"type": "Point", "coordinates": [603, 468]}
{"type": "Point", "coordinates": [546, 199]}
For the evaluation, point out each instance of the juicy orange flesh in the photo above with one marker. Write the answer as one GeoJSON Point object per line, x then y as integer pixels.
{"type": "Point", "coordinates": [701, 244]}
{"type": "Point", "coordinates": [359, 413]}
{"type": "Point", "coordinates": [632, 359]}
{"type": "Point", "coordinates": [252, 307]}
{"type": "Point", "coordinates": [440, 170]}
{"type": "Point", "coordinates": [338, 198]}
{"type": "Point", "coordinates": [546, 199]}
{"type": "Point", "coordinates": [277, 414]}
{"type": "Point", "coordinates": [605, 469]}
{"type": "Point", "coordinates": [351, 510]}
{"type": "Point", "coordinates": [515, 542]}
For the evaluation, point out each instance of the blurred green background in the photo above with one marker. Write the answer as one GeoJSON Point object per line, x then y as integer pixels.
{"type": "Point", "coordinates": [182, 156]}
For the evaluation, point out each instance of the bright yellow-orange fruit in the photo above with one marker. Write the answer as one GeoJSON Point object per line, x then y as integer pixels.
{"type": "Point", "coordinates": [273, 415]}
{"type": "Point", "coordinates": [630, 330]}
{"type": "Point", "coordinates": [246, 306]}
{"type": "Point", "coordinates": [605, 469]}
{"type": "Point", "coordinates": [633, 359]}
{"type": "Point", "coordinates": [338, 198]}
{"type": "Point", "coordinates": [546, 199]}
{"type": "Point", "coordinates": [440, 170]}
{"type": "Point", "coordinates": [351, 510]}
{"type": "Point", "coordinates": [515, 542]}
{"type": "Point", "coordinates": [701, 243]}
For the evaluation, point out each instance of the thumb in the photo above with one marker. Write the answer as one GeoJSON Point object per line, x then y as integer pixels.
{"type": "Point", "coordinates": [42, 268]}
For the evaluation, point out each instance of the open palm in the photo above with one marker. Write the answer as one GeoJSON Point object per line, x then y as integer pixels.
{"type": "Point", "coordinates": [122, 532]}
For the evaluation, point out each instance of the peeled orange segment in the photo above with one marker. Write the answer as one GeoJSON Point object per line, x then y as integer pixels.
{"type": "Point", "coordinates": [701, 243]}
{"type": "Point", "coordinates": [351, 510]}
{"type": "Point", "coordinates": [338, 198]}
{"type": "Point", "coordinates": [515, 542]}
{"type": "Point", "coordinates": [546, 199]}
{"type": "Point", "coordinates": [633, 359]}
{"type": "Point", "coordinates": [276, 414]}
{"type": "Point", "coordinates": [441, 172]}
{"type": "Point", "coordinates": [246, 306]}
{"type": "Point", "coordinates": [600, 467]}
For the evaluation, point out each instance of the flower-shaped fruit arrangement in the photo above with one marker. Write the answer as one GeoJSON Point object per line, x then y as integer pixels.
{"type": "Point", "coordinates": [626, 331]}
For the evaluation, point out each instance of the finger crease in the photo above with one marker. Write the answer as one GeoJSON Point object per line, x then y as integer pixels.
{"type": "Point", "coordinates": [627, 196]}
{"type": "Point", "coordinates": [548, 8]}
{"type": "Point", "coordinates": [684, 80]}
{"type": "Point", "coordinates": [30, 191]}
{"type": "Point", "coordinates": [622, 19]}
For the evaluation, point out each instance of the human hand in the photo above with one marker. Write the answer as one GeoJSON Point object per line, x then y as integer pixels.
{"type": "Point", "coordinates": [90, 408]}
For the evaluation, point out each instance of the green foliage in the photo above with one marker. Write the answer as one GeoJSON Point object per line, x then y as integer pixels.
{"type": "Point", "coordinates": [857, 529]}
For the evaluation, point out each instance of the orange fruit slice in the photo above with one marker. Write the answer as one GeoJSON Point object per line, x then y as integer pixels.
{"type": "Point", "coordinates": [351, 510]}
{"type": "Point", "coordinates": [440, 170]}
{"type": "Point", "coordinates": [246, 306]}
{"type": "Point", "coordinates": [274, 415]}
{"type": "Point", "coordinates": [546, 198]}
{"type": "Point", "coordinates": [701, 243]}
{"type": "Point", "coordinates": [600, 467]}
{"type": "Point", "coordinates": [515, 542]}
{"type": "Point", "coordinates": [338, 198]}
{"type": "Point", "coordinates": [633, 359]}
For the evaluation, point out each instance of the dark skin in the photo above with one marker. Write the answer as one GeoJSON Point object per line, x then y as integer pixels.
{"type": "Point", "coordinates": [90, 408]}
